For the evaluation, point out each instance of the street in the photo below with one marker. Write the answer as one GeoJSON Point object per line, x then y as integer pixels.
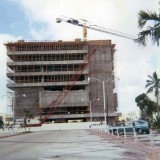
{"type": "Point", "coordinates": [64, 145]}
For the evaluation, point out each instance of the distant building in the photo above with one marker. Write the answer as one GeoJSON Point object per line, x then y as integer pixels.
{"type": "Point", "coordinates": [38, 72]}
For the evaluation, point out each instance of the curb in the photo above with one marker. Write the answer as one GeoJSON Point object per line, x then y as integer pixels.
{"type": "Point", "coordinates": [12, 135]}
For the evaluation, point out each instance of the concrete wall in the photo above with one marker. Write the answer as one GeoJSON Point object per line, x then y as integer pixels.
{"type": "Point", "coordinates": [73, 98]}
{"type": "Point", "coordinates": [62, 126]}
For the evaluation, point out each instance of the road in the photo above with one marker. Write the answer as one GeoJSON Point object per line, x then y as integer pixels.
{"type": "Point", "coordinates": [64, 145]}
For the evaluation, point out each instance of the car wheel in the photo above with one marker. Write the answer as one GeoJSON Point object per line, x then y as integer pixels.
{"type": "Point", "coordinates": [140, 131]}
{"type": "Point", "coordinates": [115, 132]}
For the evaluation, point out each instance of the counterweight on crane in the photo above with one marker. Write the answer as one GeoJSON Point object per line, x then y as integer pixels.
{"type": "Point", "coordinates": [87, 25]}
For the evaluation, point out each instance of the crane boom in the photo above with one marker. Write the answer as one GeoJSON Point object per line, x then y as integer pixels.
{"type": "Point", "coordinates": [87, 25]}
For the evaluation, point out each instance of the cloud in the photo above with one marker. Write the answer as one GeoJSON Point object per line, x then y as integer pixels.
{"type": "Point", "coordinates": [112, 13]}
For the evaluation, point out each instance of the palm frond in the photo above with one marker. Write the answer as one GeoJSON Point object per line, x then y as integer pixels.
{"type": "Point", "coordinates": [156, 36]}
{"type": "Point", "coordinates": [149, 81]}
{"type": "Point", "coordinates": [148, 84]}
{"type": "Point", "coordinates": [142, 37]}
{"type": "Point", "coordinates": [155, 76]}
{"type": "Point", "coordinates": [144, 16]}
{"type": "Point", "coordinates": [151, 77]}
{"type": "Point", "coordinates": [156, 92]}
{"type": "Point", "coordinates": [150, 90]}
{"type": "Point", "coordinates": [152, 31]}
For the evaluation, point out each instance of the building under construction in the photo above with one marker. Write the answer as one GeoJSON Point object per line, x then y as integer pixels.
{"type": "Point", "coordinates": [39, 71]}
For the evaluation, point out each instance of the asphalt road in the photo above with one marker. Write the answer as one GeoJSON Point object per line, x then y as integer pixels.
{"type": "Point", "coordinates": [64, 145]}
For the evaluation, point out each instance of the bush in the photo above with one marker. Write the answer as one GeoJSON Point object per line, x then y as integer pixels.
{"type": "Point", "coordinates": [1, 121]}
{"type": "Point", "coordinates": [156, 123]}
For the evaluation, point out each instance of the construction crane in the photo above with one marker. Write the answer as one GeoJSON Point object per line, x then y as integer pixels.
{"type": "Point", "coordinates": [87, 25]}
{"type": "Point", "coordinates": [54, 104]}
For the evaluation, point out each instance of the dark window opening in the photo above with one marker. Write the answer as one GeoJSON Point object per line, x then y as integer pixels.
{"type": "Point", "coordinates": [60, 88]}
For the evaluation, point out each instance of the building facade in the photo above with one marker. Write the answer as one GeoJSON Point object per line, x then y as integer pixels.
{"type": "Point", "coordinates": [38, 72]}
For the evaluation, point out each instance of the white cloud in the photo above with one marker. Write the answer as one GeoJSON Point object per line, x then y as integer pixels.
{"type": "Point", "coordinates": [133, 63]}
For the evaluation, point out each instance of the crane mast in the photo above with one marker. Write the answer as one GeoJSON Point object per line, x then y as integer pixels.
{"type": "Point", "coordinates": [87, 25]}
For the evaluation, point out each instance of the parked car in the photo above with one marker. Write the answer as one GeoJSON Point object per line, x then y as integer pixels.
{"type": "Point", "coordinates": [139, 125]}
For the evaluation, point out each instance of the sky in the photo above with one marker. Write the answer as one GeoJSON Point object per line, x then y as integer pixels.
{"type": "Point", "coordinates": [36, 20]}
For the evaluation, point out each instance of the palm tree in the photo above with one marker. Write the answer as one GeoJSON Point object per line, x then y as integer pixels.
{"type": "Point", "coordinates": [154, 84]}
{"type": "Point", "coordinates": [152, 31]}
{"type": "Point", "coordinates": [28, 116]}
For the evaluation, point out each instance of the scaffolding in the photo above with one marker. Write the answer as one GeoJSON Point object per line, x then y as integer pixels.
{"type": "Point", "coordinates": [46, 67]}
{"type": "Point", "coordinates": [44, 46]}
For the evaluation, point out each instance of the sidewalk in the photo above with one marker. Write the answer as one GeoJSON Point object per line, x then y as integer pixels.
{"type": "Point", "coordinates": [152, 153]}
{"type": "Point", "coordinates": [10, 132]}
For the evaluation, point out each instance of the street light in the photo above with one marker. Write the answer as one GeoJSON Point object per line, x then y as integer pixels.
{"type": "Point", "coordinates": [104, 99]}
{"type": "Point", "coordinates": [90, 105]}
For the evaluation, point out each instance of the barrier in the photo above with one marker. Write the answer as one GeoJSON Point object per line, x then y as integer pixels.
{"type": "Point", "coordinates": [152, 138]}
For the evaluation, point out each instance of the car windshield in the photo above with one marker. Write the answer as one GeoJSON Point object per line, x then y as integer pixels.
{"type": "Point", "coordinates": [129, 124]}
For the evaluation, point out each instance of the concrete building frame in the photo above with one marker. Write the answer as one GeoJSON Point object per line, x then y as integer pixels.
{"type": "Point", "coordinates": [38, 71]}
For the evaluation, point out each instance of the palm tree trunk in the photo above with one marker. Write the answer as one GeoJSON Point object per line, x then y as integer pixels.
{"type": "Point", "coordinates": [157, 104]}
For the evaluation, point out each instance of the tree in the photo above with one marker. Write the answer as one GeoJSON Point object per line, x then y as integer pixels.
{"type": "Point", "coordinates": [146, 106]}
{"type": "Point", "coordinates": [1, 122]}
{"type": "Point", "coordinates": [154, 84]}
{"type": "Point", "coordinates": [156, 124]}
{"type": "Point", "coordinates": [153, 31]}
{"type": "Point", "coordinates": [29, 116]}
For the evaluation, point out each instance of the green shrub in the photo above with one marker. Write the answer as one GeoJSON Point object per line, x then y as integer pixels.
{"type": "Point", "coordinates": [156, 123]}
{"type": "Point", "coordinates": [1, 121]}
